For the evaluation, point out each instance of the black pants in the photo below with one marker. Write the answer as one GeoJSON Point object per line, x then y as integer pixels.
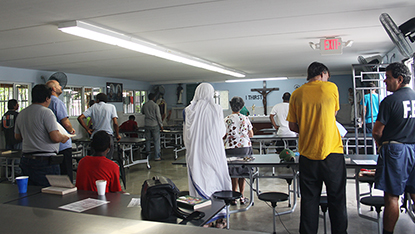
{"type": "Point", "coordinates": [66, 165]}
{"type": "Point", "coordinates": [331, 171]}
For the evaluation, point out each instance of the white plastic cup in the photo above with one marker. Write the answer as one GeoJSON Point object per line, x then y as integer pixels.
{"type": "Point", "coordinates": [101, 186]}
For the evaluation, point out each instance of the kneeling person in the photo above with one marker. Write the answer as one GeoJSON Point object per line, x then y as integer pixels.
{"type": "Point", "coordinates": [98, 167]}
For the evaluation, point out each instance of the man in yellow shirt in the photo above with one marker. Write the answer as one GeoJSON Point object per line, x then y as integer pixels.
{"type": "Point", "coordinates": [312, 112]}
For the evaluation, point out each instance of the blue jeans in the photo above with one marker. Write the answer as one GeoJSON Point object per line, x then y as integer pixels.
{"type": "Point", "coordinates": [153, 131]}
{"type": "Point", "coordinates": [37, 170]}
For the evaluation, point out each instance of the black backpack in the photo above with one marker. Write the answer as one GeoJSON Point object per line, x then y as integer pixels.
{"type": "Point", "coordinates": [158, 202]}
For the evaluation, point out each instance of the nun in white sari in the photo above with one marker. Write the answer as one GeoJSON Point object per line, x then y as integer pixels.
{"type": "Point", "coordinates": [205, 152]}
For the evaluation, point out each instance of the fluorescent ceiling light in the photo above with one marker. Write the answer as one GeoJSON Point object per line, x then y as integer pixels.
{"type": "Point", "coordinates": [89, 31]}
{"type": "Point", "coordinates": [256, 79]}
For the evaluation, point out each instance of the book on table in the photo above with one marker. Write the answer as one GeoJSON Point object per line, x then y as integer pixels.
{"type": "Point", "coordinates": [192, 203]}
{"type": "Point", "coordinates": [61, 185]}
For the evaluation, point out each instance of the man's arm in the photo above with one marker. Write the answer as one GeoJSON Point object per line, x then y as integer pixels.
{"type": "Point", "coordinates": [271, 117]}
{"type": "Point", "coordinates": [82, 123]}
{"type": "Point", "coordinates": [159, 120]}
{"type": "Point", "coordinates": [294, 127]}
{"type": "Point", "coordinates": [363, 104]}
{"type": "Point", "coordinates": [57, 137]}
{"type": "Point", "coordinates": [116, 128]}
{"type": "Point", "coordinates": [377, 132]}
{"type": "Point", "coordinates": [67, 125]}
{"type": "Point", "coordinates": [18, 137]}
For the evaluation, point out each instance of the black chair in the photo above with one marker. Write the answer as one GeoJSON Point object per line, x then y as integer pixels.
{"type": "Point", "coordinates": [377, 202]}
{"type": "Point", "coordinates": [324, 206]}
{"type": "Point", "coordinates": [227, 197]}
{"type": "Point", "coordinates": [273, 197]}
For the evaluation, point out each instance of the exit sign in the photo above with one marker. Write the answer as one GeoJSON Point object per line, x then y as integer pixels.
{"type": "Point", "coordinates": [329, 46]}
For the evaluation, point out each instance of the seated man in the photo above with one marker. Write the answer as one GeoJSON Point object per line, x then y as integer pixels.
{"type": "Point", "coordinates": [98, 167]}
{"type": "Point", "coordinates": [130, 126]}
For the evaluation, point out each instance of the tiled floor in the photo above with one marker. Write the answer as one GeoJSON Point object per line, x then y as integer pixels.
{"type": "Point", "coordinates": [259, 217]}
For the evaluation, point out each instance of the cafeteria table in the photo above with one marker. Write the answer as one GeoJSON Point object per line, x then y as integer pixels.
{"type": "Point", "coordinates": [272, 160]}
{"type": "Point", "coordinates": [117, 206]}
{"type": "Point", "coordinates": [263, 139]}
{"type": "Point", "coordinates": [21, 219]}
{"type": "Point", "coordinates": [10, 157]}
{"type": "Point", "coordinates": [261, 160]}
{"type": "Point", "coordinates": [10, 192]}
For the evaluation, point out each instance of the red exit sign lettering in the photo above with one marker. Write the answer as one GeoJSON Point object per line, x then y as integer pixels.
{"type": "Point", "coordinates": [330, 46]}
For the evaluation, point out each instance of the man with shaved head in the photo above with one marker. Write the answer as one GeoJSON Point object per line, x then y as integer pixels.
{"type": "Point", "coordinates": [60, 111]}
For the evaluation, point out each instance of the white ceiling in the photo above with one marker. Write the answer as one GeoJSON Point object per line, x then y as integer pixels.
{"type": "Point", "coordinates": [262, 38]}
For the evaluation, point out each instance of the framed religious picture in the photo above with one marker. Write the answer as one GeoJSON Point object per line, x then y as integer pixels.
{"type": "Point", "coordinates": [114, 92]}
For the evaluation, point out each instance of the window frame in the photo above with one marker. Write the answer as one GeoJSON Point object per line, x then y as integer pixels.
{"type": "Point", "coordinates": [139, 97]}
{"type": "Point", "coordinates": [83, 105]}
{"type": "Point", "coordinates": [15, 95]}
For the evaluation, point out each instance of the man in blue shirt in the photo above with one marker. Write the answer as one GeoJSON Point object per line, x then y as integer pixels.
{"type": "Point", "coordinates": [60, 111]}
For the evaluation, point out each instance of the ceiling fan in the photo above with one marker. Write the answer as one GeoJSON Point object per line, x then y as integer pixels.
{"type": "Point", "coordinates": [377, 59]}
{"type": "Point", "coordinates": [397, 35]}
{"type": "Point", "coordinates": [60, 77]}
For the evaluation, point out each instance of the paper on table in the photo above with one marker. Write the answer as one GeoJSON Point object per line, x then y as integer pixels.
{"type": "Point", "coordinates": [63, 131]}
{"type": "Point", "coordinates": [83, 205]}
{"type": "Point", "coordinates": [234, 159]}
{"type": "Point", "coordinates": [365, 162]}
{"type": "Point", "coordinates": [135, 202]}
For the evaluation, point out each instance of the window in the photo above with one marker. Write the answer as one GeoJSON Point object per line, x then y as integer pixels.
{"type": "Point", "coordinates": [8, 91]}
{"type": "Point", "coordinates": [77, 99]}
{"type": "Point", "coordinates": [89, 95]}
{"type": "Point", "coordinates": [140, 99]}
{"type": "Point", "coordinates": [222, 99]}
{"type": "Point", "coordinates": [133, 100]}
{"type": "Point", "coordinates": [128, 101]}
{"type": "Point", "coordinates": [72, 97]}
{"type": "Point", "coordinates": [22, 93]}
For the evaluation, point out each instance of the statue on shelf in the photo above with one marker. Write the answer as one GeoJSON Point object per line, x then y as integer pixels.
{"type": "Point", "coordinates": [179, 93]}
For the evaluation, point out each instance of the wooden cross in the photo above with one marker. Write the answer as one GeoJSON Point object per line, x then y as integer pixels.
{"type": "Point", "coordinates": [264, 92]}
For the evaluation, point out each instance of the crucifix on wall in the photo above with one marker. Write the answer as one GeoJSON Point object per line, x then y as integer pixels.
{"type": "Point", "coordinates": [264, 92]}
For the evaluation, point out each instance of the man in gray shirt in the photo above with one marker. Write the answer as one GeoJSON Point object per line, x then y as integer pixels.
{"type": "Point", "coordinates": [36, 126]}
{"type": "Point", "coordinates": [153, 124]}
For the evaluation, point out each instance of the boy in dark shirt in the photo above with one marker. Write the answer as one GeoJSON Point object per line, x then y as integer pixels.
{"type": "Point", "coordinates": [8, 120]}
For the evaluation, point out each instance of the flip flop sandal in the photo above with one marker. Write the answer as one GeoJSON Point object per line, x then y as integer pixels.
{"type": "Point", "coordinates": [209, 225]}
{"type": "Point", "coordinates": [244, 200]}
{"type": "Point", "coordinates": [221, 223]}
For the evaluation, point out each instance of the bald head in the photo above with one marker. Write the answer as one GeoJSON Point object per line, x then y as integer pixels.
{"type": "Point", "coordinates": [55, 87]}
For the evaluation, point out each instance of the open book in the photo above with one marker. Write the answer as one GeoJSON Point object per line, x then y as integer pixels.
{"type": "Point", "coordinates": [61, 185]}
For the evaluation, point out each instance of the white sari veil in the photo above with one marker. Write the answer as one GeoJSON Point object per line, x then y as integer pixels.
{"type": "Point", "coordinates": [205, 152]}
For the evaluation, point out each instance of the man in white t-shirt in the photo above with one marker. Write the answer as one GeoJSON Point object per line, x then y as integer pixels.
{"type": "Point", "coordinates": [278, 117]}
{"type": "Point", "coordinates": [102, 115]}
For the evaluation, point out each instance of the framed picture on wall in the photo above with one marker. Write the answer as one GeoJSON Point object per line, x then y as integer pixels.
{"type": "Point", "coordinates": [114, 92]}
